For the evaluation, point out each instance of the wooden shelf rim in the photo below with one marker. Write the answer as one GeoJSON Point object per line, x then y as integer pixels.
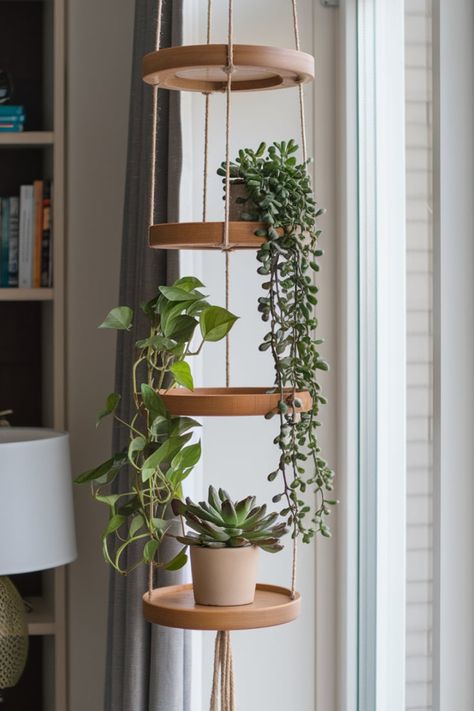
{"type": "Point", "coordinates": [174, 606]}
{"type": "Point", "coordinates": [205, 235]}
{"type": "Point", "coordinates": [202, 68]}
{"type": "Point", "coordinates": [228, 402]}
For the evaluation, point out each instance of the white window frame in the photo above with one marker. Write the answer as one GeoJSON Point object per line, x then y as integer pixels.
{"type": "Point", "coordinates": [453, 623]}
{"type": "Point", "coordinates": [372, 268]}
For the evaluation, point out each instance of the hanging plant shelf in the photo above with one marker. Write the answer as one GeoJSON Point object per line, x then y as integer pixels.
{"type": "Point", "coordinates": [202, 68]}
{"type": "Point", "coordinates": [205, 235]}
{"type": "Point", "coordinates": [174, 606]}
{"type": "Point", "coordinates": [230, 402]}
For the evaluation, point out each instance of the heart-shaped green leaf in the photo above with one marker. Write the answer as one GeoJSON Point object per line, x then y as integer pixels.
{"type": "Point", "coordinates": [119, 318]}
{"type": "Point", "coordinates": [216, 322]}
{"type": "Point", "coordinates": [182, 374]}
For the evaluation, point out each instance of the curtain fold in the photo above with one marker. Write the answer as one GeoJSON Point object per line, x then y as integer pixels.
{"type": "Point", "coordinates": [148, 667]}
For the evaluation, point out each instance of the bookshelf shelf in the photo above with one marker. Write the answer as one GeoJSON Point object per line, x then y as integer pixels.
{"type": "Point", "coordinates": [41, 618]}
{"type": "Point", "coordinates": [27, 138]}
{"type": "Point", "coordinates": [26, 294]}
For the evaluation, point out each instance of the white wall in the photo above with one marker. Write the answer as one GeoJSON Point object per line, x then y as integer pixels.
{"type": "Point", "coordinates": [99, 63]}
{"type": "Point", "coordinates": [275, 668]}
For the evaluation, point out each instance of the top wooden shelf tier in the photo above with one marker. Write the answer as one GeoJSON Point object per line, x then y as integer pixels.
{"type": "Point", "coordinates": [202, 68]}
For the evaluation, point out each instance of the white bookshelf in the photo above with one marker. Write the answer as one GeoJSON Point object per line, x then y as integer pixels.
{"type": "Point", "coordinates": [39, 152]}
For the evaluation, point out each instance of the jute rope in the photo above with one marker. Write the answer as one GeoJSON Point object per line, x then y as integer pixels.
{"type": "Point", "coordinates": [300, 86]}
{"type": "Point", "coordinates": [153, 166]}
{"type": "Point", "coordinates": [223, 673]}
{"type": "Point", "coordinates": [303, 148]}
{"type": "Point", "coordinates": [206, 124]}
{"type": "Point", "coordinates": [153, 162]}
{"type": "Point", "coordinates": [228, 114]}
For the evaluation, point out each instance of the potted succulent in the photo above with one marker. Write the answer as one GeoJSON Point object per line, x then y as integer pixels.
{"type": "Point", "coordinates": [224, 543]}
{"type": "Point", "coordinates": [160, 453]}
{"type": "Point", "coordinates": [276, 190]}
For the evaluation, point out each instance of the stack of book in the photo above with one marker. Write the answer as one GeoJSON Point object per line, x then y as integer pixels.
{"type": "Point", "coordinates": [12, 118]}
{"type": "Point", "coordinates": [26, 237]}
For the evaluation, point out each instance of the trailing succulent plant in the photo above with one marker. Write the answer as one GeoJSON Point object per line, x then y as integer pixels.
{"type": "Point", "coordinates": [158, 456]}
{"type": "Point", "coordinates": [280, 195]}
{"type": "Point", "coordinates": [223, 523]}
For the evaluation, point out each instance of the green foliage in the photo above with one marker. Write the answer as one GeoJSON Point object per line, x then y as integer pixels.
{"type": "Point", "coordinates": [159, 455]}
{"type": "Point", "coordinates": [223, 523]}
{"type": "Point", "coordinates": [279, 193]}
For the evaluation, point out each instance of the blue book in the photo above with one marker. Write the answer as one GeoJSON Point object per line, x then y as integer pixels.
{"type": "Point", "coordinates": [4, 244]}
{"type": "Point", "coordinates": [12, 118]}
{"type": "Point", "coordinates": [9, 110]}
{"type": "Point", "coordinates": [13, 242]}
{"type": "Point", "coordinates": [11, 126]}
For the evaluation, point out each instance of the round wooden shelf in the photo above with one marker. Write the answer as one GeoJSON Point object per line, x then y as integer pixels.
{"type": "Point", "coordinates": [230, 402]}
{"type": "Point", "coordinates": [202, 68]}
{"type": "Point", "coordinates": [205, 235]}
{"type": "Point", "coordinates": [174, 606]}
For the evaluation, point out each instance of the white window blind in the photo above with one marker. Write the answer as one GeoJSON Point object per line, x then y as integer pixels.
{"type": "Point", "coordinates": [419, 233]}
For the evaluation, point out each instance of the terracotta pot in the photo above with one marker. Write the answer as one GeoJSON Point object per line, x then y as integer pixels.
{"type": "Point", "coordinates": [224, 576]}
{"type": "Point", "coordinates": [238, 190]}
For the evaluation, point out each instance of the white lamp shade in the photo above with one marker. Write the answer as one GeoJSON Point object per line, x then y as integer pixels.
{"type": "Point", "coordinates": [36, 507]}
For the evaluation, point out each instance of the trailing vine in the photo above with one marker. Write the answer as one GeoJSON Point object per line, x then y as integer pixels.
{"type": "Point", "coordinates": [159, 454]}
{"type": "Point", "coordinates": [279, 194]}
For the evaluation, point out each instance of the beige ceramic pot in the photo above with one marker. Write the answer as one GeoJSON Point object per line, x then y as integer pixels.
{"type": "Point", "coordinates": [224, 576]}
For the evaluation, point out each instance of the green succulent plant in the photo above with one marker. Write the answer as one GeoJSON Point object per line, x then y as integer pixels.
{"type": "Point", "coordinates": [223, 523]}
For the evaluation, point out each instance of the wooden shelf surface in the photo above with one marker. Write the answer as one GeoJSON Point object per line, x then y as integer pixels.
{"type": "Point", "coordinates": [174, 606]}
{"type": "Point", "coordinates": [27, 138]}
{"type": "Point", "coordinates": [41, 618]}
{"type": "Point", "coordinates": [202, 68]}
{"type": "Point", "coordinates": [229, 402]}
{"type": "Point", "coordinates": [26, 294]}
{"type": "Point", "coordinates": [205, 235]}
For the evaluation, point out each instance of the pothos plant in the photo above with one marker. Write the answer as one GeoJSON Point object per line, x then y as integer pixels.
{"type": "Point", "coordinates": [279, 194]}
{"type": "Point", "coordinates": [159, 455]}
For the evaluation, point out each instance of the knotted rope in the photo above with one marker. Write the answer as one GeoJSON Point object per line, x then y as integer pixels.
{"type": "Point", "coordinates": [223, 676]}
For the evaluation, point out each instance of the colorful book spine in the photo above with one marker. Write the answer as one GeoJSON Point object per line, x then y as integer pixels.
{"type": "Point", "coordinates": [12, 118]}
{"type": "Point", "coordinates": [46, 241]}
{"type": "Point", "coordinates": [26, 238]}
{"type": "Point", "coordinates": [38, 226]}
{"type": "Point", "coordinates": [11, 110]}
{"type": "Point", "coordinates": [13, 243]}
{"type": "Point", "coordinates": [4, 242]}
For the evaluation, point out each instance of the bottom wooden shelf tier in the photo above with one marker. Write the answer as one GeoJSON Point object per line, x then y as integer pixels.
{"type": "Point", "coordinates": [174, 606]}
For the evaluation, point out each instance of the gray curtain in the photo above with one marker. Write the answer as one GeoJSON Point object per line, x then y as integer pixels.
{"type": "Point", "coordinates": [148, 667]}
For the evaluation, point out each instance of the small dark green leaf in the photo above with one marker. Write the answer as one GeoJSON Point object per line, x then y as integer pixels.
{"type": "Point", "coordinates": [106, 471]}
{"type": "Point", "coordinates": [153, 402]}
{"type": "Point", "coordinates": [110, 405]}
{"type": "Point", "coordinates": [188, 283]}
{"type": "Point", "coordinates": [174, 293]}
{"type": "Point", "coordinates": [149, 550]}
{"type": "Point", "coordinates": [178, 561]}
{"type": "Point", "coordinates": [114, 523]}
{"type": "Point", "coordinates": [119, 318]}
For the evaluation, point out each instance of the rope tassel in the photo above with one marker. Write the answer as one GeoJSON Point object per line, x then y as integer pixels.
{"type": "Point", "coordinates": [223, 676]}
